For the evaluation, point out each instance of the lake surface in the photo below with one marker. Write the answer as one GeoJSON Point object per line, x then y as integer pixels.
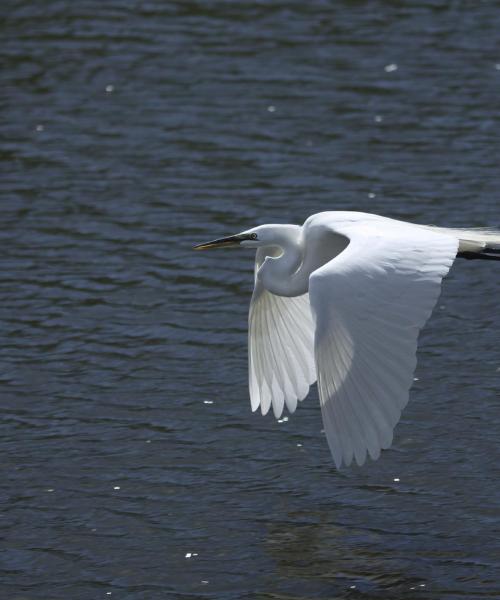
{"type": "Point", "coordinates": [132, 466]}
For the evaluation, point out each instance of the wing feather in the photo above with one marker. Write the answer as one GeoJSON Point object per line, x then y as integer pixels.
{"type": "Point", "coordinates": [369, 304]}
{"type": "Point", "coordinates": [281, 348]}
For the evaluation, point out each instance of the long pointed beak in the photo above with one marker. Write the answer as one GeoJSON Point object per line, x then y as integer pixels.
{"type": "Point", "coordinates": [232, 240]}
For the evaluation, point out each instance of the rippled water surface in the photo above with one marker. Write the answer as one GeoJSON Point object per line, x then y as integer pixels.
{"type": "Point", "coordinates": [132, 465]}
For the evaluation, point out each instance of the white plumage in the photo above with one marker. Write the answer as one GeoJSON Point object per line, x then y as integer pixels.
{"type": "Point", "coordinates": [342, 300]}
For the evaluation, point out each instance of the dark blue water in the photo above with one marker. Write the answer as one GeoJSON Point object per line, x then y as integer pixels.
{"type": "Point", "coordinates": [132, 130]}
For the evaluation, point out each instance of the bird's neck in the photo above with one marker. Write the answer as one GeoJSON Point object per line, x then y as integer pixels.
{"type": "Point", "coordinates": [285, 275]}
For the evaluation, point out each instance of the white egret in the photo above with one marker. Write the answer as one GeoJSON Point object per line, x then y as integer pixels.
{"type": "Point", "coordinates": [341, 300]}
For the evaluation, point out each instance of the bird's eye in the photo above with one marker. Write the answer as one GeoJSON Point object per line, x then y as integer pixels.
{"type": "Point", "coordinates": [253, 236]}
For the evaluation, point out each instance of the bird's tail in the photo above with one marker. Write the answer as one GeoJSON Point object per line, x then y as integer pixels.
{"type": "Point", "coordinates": [482, 243]}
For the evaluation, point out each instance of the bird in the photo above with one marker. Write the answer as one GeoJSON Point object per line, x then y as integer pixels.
{"type": "Point", "coordinates": [340, 301]}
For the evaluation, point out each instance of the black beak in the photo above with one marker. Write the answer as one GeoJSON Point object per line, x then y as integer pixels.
{"type": "Point", "coordinates": [232, 240]}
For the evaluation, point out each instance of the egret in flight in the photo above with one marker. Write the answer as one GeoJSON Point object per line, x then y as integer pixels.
{"type": "Point", "coordinates": [341, 300]}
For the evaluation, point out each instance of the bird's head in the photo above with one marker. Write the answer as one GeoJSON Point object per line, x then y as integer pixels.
{"type": "Point", "coordinates": [264, 235]}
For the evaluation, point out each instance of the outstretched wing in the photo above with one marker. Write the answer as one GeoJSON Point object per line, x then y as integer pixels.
{"type": "Point", "coordinates": [370, 303]}
{"type": "Point", "coordinates": [280, 347]}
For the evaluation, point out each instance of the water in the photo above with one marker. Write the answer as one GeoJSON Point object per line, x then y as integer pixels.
{"type": "Point", "coordinates": [132, 130]}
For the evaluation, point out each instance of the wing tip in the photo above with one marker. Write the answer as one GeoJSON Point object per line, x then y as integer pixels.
{"type": "Point", "coordinates": [342, 459]}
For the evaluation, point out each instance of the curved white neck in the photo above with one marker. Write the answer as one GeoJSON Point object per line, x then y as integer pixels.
{"type": "Point", "coordinates": [285, 275]}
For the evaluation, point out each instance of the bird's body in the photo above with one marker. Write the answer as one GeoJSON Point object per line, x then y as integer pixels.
{"type": "Point", "coordinates": [341, 301]}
